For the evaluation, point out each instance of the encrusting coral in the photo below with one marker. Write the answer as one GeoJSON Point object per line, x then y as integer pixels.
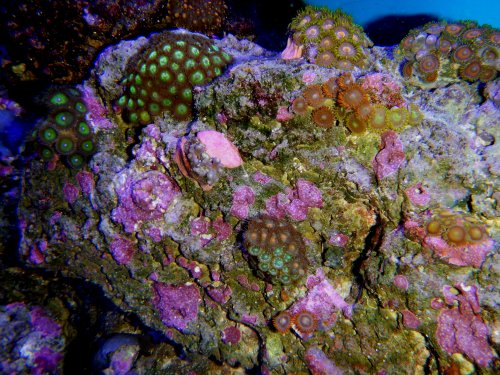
{"type": "Point", "coordinates": [442, 51]}
{"type": "Point", "coordinates": [65, 131]}
{"type": "Point", "coordinates": [328, 39]}
{"type": "Point", "coordinates": [162, 75]}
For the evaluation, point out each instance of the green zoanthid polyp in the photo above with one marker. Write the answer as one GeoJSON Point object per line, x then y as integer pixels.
{"type": "Point", "coordinates": [65, 131]}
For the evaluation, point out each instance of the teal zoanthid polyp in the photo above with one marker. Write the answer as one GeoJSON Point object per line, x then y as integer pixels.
{"type": "Point", "coordinates": [161, 77]}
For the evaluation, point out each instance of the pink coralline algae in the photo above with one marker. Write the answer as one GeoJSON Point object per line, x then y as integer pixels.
{"type": "Point", "coordinates": [338, 239]}
{"type": "Point", "coordinates": [177, 304]}
{"type": "Point", "coordinates": [410, 320]}
{"type": "Point", "coordinates": [461, 329]}
{"type": "Point", "coordinates": [122, 250]}
{"type": "Point", "coordinates": [401, 282]}
{"type": "Point", "coordinates": [295, 202]}
{"type": "Point", "coordinates": [284, 114]}
{"type": "Point", "coordinates": [220, 294]}
{"type": "Point", "coordinates": [319, 363]}
{"type": "Point", "coordinates": [146, 196]}
{"type": "Point", "coordinates": [219, 147]}
{"type": "Point", "coordinates": [418, 195]}
{"type": "Point", "coordinates": [390, 157]}
{"type": "Point", "coordinates": [231, 335]}
{"type": "Point", "coordinates": [243, 198]}
{"type": "Point", "coordinates": [322, 300]}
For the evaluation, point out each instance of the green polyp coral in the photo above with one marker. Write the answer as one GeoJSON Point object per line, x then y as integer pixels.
{"type": "Point", "coordinates": [65, 131]}
{"type": "Point", "coordinates": [330, 39]}
{"type": "Point", "coordinates": [441, 51]}
{"type": "Point", "coordinates": [162, 75]}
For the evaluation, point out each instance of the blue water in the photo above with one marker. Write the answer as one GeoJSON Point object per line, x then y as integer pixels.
{"type": "Point", "coordinates": [365, 12]}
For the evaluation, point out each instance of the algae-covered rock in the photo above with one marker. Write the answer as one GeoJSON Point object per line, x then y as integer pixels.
{"type": "Point", "coordinates": [271, 241]}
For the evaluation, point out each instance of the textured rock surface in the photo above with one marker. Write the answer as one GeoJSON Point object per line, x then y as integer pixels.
{"type": "Point", "coordinates": [171, 252]}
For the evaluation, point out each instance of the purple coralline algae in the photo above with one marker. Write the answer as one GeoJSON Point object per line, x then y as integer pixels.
{"type": "Point", "coordinates": [31, 341]}
{"type": "Point", "coordinates": [461, 329]}
{"type": "Point", "coordinates": [295, 203]}
{"type": "Point", "coordinates": [177, 304]}
{"type": "Point", "coordinates": [143, 197]}
{"type": "Point", "coordinates": [231, 335]}
{"type": "Point", "coordinates": [122, 250]}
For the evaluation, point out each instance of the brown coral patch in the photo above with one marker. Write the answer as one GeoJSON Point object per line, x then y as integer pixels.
{"type": "Point", "coordinates": [352, 97]}
{"type": "Point", "coordinates": [282, 322]}
{"type": "Point", "coordinates": [472, 33]}
{"type": "Point", "coordinates": [345, 80]}
{"type": "Point", "coordinates": [428, 64]}
{"type": "Point", "coordinates": [314, 96]}
{"type": "Point", "coordinates": [462, 54]}
{"type": "Point", "coordinates": [434, 28]}
{"type": "Point", "coordinates": [299, 106]}
{"type": "Point", "coordinates": [202, 16]}
{"type": "Point", "coordinates": [323, 117]}
{"type": "Point", "coordinates": [444, 45]}
{"type": "Point", "coordinates": [487, 74]}
{"type": "Point", "coordinates": [454, 28]}
{"type": "Point", "coordinates": [407, 42]}
{"type": "Point", "coordinates": [407, 69]}
{"type": "Point", "coordinates": [494, 38]}
{"type": "Point", "coordinates": [305, 322]}
{"type": "Point", "coordinates": [471, 71]}
{"type": "Point", "coordinates": [364, 110]}
{"type": "Point", "coordinates": [330, 88]}
{"type": "Point", "coordinates": [355, 125]}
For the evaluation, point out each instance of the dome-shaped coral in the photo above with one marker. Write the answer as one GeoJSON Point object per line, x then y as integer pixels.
{"type": "Point", "coordinates": [162, 75]}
